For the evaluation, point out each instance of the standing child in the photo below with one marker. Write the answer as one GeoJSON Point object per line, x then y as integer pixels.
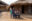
{"type": "Point", "coordinates": [17, 13]}
{"type": "Point", "coordinates": [11, 12]}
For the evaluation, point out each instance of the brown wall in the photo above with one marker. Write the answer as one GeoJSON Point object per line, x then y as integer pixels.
{"type": "Point", "coordinates": [26, 7]}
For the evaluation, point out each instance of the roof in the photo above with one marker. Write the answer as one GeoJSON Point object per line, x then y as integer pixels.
{"type": "Point", "coordinates": [3, 3]}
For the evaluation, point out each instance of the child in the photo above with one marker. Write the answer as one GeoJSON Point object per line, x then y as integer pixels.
{"type": "Point", "coordinates": [11, 12]}
{"type": "Point", "coordinates": [17, 14]}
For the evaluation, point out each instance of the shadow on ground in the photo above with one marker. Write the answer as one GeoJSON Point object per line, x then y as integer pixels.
{"type": "Point", "coordinates": [27, 16]}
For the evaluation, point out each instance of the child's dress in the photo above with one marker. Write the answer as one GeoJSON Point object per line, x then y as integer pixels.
{"type": "Point", "coordinates": [11, 12]}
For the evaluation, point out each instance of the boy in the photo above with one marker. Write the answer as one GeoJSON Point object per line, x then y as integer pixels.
{"type": "Point", "coordinates": [17, 14]}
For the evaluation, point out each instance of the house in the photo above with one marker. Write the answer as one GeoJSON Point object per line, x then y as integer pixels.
{"type": "Point", "coordinates": [26, 7]}
{"type": "Point", "coordinates": [3, 6]}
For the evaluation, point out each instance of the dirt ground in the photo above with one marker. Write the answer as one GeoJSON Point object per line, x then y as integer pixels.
{"type": "Point", "coordinates": [6, 17]}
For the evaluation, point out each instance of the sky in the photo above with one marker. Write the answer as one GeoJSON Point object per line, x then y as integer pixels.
{"type": "Point", "coordinates": [9, 1]}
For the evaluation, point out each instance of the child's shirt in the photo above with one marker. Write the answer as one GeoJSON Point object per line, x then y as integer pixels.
{"type": "Point", "coordinates": [17, 12]}
{"type": "Point", "coordinates": [11, 11]}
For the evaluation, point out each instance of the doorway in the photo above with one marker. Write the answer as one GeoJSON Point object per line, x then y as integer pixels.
{"type": "Point", "coordinates": [23, 9]}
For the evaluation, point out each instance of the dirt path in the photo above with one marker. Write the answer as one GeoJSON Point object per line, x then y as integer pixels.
{"type": "Point", "coordinates": [6, 17]}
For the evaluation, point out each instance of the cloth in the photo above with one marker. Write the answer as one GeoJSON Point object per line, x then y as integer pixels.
{"type": "Point", "coordinates": [17, 12]}
{"type": "Point", "coordinates": [11, 11]}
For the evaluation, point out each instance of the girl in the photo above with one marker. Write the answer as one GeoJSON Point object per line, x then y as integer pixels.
{"type": "Point", "coordinates": [11, 12]}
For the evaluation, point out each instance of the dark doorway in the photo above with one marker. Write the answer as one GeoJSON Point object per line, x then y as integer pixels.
{"type": "Point", "coordinates": [12, 7]}
{"type": "Point", "coordinates": [22, 8]}
{"type": "Point", "coordinates": [31, 9]}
